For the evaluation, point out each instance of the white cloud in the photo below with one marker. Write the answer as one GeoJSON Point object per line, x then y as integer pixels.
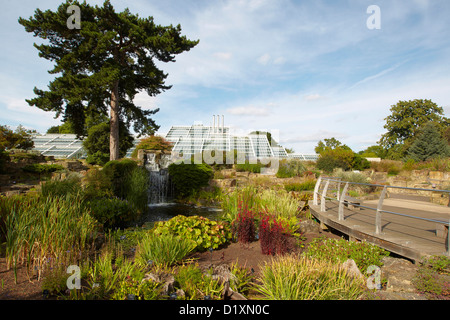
{"type": "Point", "coordinates": [223, 55]}
{"type": "Point", "coordinates": [312, 97]}
{"type": "Point", "coordinates": [249, 111]}
{"type": "Point", "coordinates": [264, 59]}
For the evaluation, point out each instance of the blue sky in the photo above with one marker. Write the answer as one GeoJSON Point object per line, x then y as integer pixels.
{"type": "Point", "coordinates": [305, 70]}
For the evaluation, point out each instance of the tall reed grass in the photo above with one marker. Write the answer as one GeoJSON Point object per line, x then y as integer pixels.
{"type": "Point", "coordinates": [39, 231]}
{"type": "Point", "coordinates": [277, 203]}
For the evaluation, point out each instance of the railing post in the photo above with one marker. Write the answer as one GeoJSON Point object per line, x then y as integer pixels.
{"type": "Point", "coordinates": [379, 208]}
{"type": "Point", "coordinates": [338, 194]}
{"type": "Point", "coordinates": [341, 202]}
{"type": "Point", "coordinates": [448, 238]}
{"type": "Point", "coordinates": [316, 191]}
{"type": "Point", "coordinates": [322, 199]}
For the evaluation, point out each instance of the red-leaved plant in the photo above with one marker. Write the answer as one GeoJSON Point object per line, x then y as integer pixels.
{"type": "Point", "coordinates": [244, 225]}
{"type": "Point", "coordinates": [273, 237]}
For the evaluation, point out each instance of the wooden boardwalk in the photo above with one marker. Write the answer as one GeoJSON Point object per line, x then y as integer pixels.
{"type": "Point", "coordinates": [407, 237]}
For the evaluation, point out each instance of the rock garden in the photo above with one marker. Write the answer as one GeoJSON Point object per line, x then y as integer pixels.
{"type": "Point", "coordinates": [76, 235]}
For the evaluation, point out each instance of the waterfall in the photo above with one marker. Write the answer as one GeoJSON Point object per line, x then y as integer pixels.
{"type": "Point", "coordinates": [160, 187]}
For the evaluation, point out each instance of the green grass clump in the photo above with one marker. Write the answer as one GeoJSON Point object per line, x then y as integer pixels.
{"type": "Point", "coordinates": [290, 277]}
{"type": "Point", "coordinates": [163, 249]}
{"type": "Point", "coordinates": [307, 185]}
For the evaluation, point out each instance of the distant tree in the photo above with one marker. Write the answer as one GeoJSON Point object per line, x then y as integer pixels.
{"type": "Point", "coordinates": [404, 122]}
{"type": "Point", "coordinates": [65, 128]}
{"type": "Point", "coordinates": [104, 65]}
{"type": "Point", "coordinates": [429, 144]}
{"type": "Point", "coordinates": [329, 144]}
{"type": "Point", "coordinates": [375, 151]}
{"type": "Point", "coordinates": [289, 150]}
{"type": "Point", "coordinates": [20, 138]}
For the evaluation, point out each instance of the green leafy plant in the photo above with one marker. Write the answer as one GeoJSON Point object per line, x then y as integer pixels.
{"type": "Point", "coordinates": [432, 278]}
{"type": "Point", "coordinates": [339, 250]}
{"type": "Point", "coordinates": [203, 232]}
{"type": "Point", "coordinates": [132, 289]}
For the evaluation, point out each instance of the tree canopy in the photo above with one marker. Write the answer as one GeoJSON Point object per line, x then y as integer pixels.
{"type": "Point", "coordinates": [330, 144]}
{"type": "Point", "coordinates": [404, 122]}
{"type": "Point", "coordinates": [429, 144]}
{"type": "Point", "coordinates": [15, 139]}
{"type": "Point", "coordinates": [103, 65]}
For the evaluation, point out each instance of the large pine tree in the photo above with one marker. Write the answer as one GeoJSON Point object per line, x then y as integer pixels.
{"type": "Point", "coordinates": [103, 65]}
{"type": "Point", "coordinates": [428, 144]}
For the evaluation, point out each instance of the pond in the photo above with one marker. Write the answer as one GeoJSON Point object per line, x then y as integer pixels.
{"type": "Point", "coordinates": [166, 211]}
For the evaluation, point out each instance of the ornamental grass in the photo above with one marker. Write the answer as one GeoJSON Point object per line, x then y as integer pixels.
{"type": "Point", "coordinates": [290, 277]}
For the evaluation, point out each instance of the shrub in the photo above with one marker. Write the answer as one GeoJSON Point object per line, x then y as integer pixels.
{"type": "Point", "coordinates": [118, 172]}
{"type": "Point", "coordinates": [387, 166]}
{"type": "Point", "coordinates": [152, 143]}
{"type": "Point", "coordinates": [335, 158]}
{"type": "Point", "coordinates": [112, 212]}
{"type": "Point", "coordinates": [137, 184]}
{"type": "Point", "coordinates": [97, 184]}
{"type": "Point", "coordinates": [96, 143]}
{"type": "Point", "coordinates": [290, 168]}
{"type": "Point", "coordinates": [188, 178]}
{"type": "Point", "coordinates": [359, 162]}
{"type": "Point", "coordinates": [204, 232]}
{"type": "Point", "coordinates": [249, 167]}
{"type": "Point", "coordinates": [163, 249]}
{"type": "Point", "coordinates": [274, 237]}
{"type": "Point", "coordinates": [42, 168]}
{"type": "Point", "coordinates": [245, 224]}
{"type": "Point", "coordinates": [297, 278]}
{"type": "Point", "coordinates": [4, 158]}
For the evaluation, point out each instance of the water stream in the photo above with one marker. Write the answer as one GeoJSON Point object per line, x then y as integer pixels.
{"type": "Point", "coordinates": [162, 206]}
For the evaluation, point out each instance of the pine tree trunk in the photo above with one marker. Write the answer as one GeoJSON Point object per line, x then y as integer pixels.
{"type": "Point", "coordinates": [114, 124]}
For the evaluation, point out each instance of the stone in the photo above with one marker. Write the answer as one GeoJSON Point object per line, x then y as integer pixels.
{"type": "Point", "coordinates": [168, 281]}
{"type": "Point", "coordinates": [399, 273]}
{"type": "Point", "coordinates": [308, 226]}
